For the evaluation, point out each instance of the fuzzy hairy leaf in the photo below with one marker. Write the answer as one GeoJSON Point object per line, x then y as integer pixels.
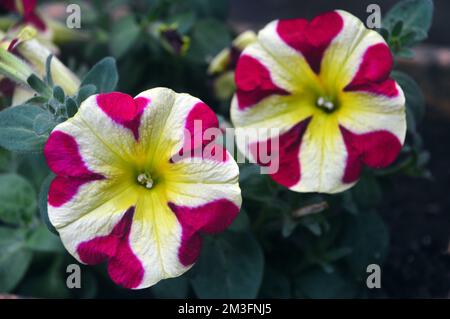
{"type": "Point", "coordinates": [103, 75]}
{"type": "Point", "coordinates": [17, 199]}
{"type": "Point", "coordinates": [17, 129]}
{"type": "Point", "coordinates": [14, 258]}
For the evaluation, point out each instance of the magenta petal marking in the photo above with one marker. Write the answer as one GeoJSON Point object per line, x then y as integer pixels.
{"type": "Point", "coordinates": [210, 218]}
{"type": "Point", "coordinates": [63, 189]}
{"type": "Point", "coordinates": [196, 142]}
{"type": "Point", "coordinates": [254, 82]}
{"type": "Point", "coordinates": [200, 113]}
{"type": "Point", "coordinates": [64, 159]}
{"type": "Point", "coordinates": [373, 72]}
{"type": "Point", "coordinates": [376, 149]}
{"type": "Point", "coordinates": [123, 109]}
{"type": "Point", "coordinates": [289, 172]}
{"type": "Point", "coordinates": [199, 119]}
{"type": "Point", "coordinates": [124, 267]}
{"type": "Point", "coordinates": [311, 38]}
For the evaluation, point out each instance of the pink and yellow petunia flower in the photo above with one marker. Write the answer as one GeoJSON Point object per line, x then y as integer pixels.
{"type": "Point", "coordinates": [123, 194]}
{"type": "Point", "coordinates": [325, 85]}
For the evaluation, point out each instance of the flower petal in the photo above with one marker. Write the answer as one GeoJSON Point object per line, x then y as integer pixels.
{"type": "Point", "coordinates": [311, 39]}
{"type": "Point", "coordinates": [375, 149]}
{"type": "Point", "coordinates": [209, 218]}
{"type": "Point", "coordinates": [367, 112]}
{"type": "Point", "coordinates": [124, 267]}
{"type": "Point", "coordinates": [95, 233]}
{"type": "Point", "coordinates": [358, 59]}
{"type": "Point", "coordinates": [112, 119]}
{"type": "Point", "coordinates": [254, 82]}
{"type": "Point", "coordinates": [123, 109]}
{"type": "Point", "coordinates": [155, 238]}
{"type": "Point", "coordinates": [275, 40]}
{"type": "Point", "coordinates": [205, 197]}
{"type": "Point", "coordinates": [284, 157]}
{"type": "Point", "coordinates": [173, 123]}
{"type": "Point", "coordinates": [194, 183]}
{"type": "Point", "coordinates": [322, 157]}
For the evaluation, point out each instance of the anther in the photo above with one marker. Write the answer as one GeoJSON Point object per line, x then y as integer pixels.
{"type": "Point", "coordinates": [325, 104]}
{"type": "Point", "coordinates": [145, 180]}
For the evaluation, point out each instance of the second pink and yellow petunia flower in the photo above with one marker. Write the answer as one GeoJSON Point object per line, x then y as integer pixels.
{"type": "Point", "coordinates": [325, 86]}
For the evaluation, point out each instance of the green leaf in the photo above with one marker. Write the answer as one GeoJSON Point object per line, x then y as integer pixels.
{"type": "Point", "coordinates": [14, 258]}
{"type": "Point", "coordinates": [230, 266]}
{"type": "Point", "coordinates": [42, 240]}
{"type": "Point", "coordinates": [44, 123]}
{"type": "Point", "coordinates": [241, 223]}
{"type": "Point", "coordinates": [48, 73]}
{"type": "Point", "coordinates": [405, 53]}
{"type": "Point", "coordinates": [414, 15]}
{"type": "Point", "coordinates": [397, 29]}
{"type": "Point", "coordinates": [58, 94]}
{"type": "Point", "coordinates": [34, 168]}
{"type": "Point", "coordinates": [17, 199]}
{"type": "Point", "coordinates": [317, 284]}
{"type": "Point", "coordinates": [348, 202]}
{"type": "Point", "coordinates": [55, 106]}
{"type": "Point", "coordinates": [42, 203]}
{"type": "Point", "coordinates": [124, 34]}
{"type": "Point", "coordinates": [209, 37]}
{"type": "Point", "coordinates": [367, 192]}
{"type": "Point", "coordinates": [103, 75]}
{"type": "Point", "coordinates": [410, 38]}
{"type": "Point", "coordinates": [289, 225]}
{"type": "Point", "coordinates": [384, 33]}
{"type": "Point", "coordinates": [85, 92]}
{"type": "Point", "coordinates": [255, 186]}
{"type": "Point", "coordinates": [173, 288]}
{"type": "Point", "coordinates": [368, 238]}
{"type": "Point", "coordinates": [17, 129]}
{"type": "Point", "coordinates": [39, 86]}
{"type": "Point", "coordinates": [415, 101]}
{"type": "Point", "coordinates": [37, 101]}
{"type": "Point", "coordinates": [248, 170]}
{"type": "Point", "coordinates": [5, 160]}
{"type": "Point", "coordinates": [71, 107]}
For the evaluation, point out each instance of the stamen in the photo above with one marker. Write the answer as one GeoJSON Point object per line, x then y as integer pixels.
{"type": "Point", "coordinates": [328, 105]}
{"type": "Point", "coordinates": [325, 104]}
{"type": "Point", "coordinates": [145, 180]}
